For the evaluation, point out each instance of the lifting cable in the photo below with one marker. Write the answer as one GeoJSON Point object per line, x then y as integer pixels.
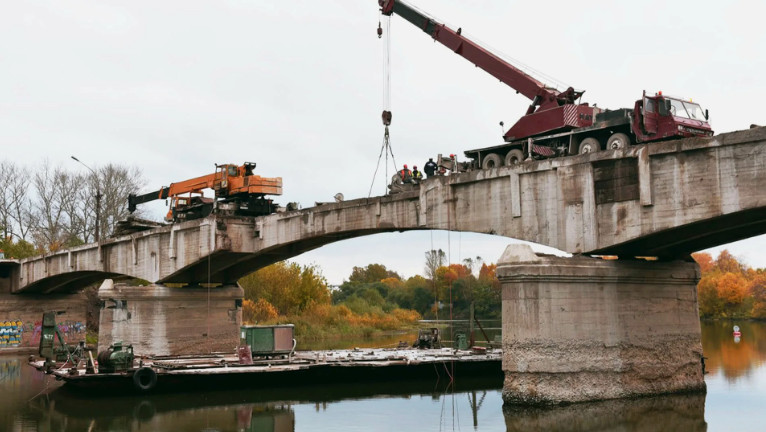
{"type": "Point", "coordinates": [386, 116]}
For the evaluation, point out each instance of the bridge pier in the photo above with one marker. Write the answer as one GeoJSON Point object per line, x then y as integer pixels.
{"type": "Point", "coordinates": [159, 320]}
{"type": "Point", "coordinates": [584, 329]}
{"type": "Point", "coordinates": [21, 317]}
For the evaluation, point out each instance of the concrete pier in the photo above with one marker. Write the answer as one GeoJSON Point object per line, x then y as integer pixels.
{"type": "Point", "coordinates": [585, 329]}
{"type": "Point", "coordinates": [158, 320]}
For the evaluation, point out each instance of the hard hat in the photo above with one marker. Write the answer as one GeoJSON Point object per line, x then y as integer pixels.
{"type": "Point", "coordinates": [415, 166]}
{"type": "Point", "coordinates": [405, 165]}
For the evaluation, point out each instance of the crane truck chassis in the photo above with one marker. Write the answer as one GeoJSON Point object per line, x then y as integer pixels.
{"type": "Point", "coordinates": [554, 124]}
{"type": "Point", "coordinates": [237, 191]}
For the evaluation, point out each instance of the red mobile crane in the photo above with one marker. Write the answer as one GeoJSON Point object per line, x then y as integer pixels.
{"type": "Point", "coordinates": [555, 124]}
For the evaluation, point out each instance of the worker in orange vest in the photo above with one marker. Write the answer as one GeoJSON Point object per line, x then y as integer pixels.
{"type": "Point", "coordinates": [405, 174]}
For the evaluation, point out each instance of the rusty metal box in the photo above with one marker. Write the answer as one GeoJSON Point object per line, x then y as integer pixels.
{"type": "Point", "coordinates": [268, 339]}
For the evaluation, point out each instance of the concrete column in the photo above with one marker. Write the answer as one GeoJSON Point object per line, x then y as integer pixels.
{"type": "Point", "coordinates": [584, 329]}
{"type": "Point", "coordinates": [158, 320]}
{"type": "Point", "coordinates": [21, 317]}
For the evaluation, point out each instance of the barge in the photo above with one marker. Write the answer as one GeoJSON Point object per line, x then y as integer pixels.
{"type": "Point", "coordinates": [265, 358]}
{"type": "Point", "coordinates": [302, 368]}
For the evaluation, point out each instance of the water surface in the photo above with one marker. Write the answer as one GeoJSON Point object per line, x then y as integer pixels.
{"type": "Point", "coordinates": [735, 401]}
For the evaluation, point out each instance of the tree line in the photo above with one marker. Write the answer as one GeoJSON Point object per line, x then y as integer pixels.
{"type": "Point", "coordinates": [44, 207]}
{"type": "Point", "coordinates": [729, 288]}
{"type": "Point", "coordinates": [373, 297]}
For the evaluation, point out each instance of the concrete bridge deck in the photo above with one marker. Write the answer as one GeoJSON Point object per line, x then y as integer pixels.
{"type": "Point", "coordinates": [663, 199]}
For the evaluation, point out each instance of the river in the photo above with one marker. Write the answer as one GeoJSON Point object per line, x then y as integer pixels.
{"type": "Point", "coordinates": [735, 401]}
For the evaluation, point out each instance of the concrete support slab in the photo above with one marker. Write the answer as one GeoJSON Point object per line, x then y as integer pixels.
{"type": "Point", "coordinates": [584, 329]}
{"type": "Point", "coordinates": [158, 320]}
{"type": "Point", "coordinates": [21, 317]}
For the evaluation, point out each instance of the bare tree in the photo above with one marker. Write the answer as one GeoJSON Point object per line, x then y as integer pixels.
{"type": "Point", "coordinates": [470, 263]}
{"type": "Point", "coordinates": [15, 206]}
{"type": "Point", "coordinates": [57, 208]}
{"type": "Point", "coordinates": [113, 183]}
{"type": "Point", "coordinates": [116, 182]}
{"type": "Point", "coordinates": [52, 187]}
{"type": "Point", "coordinates": [6, 169]}
{"type": "Point", "coordinates": [434, 260]}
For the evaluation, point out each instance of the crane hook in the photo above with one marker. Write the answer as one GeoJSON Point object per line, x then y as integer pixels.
{"type": "Point", "coordinates": [380, 30]}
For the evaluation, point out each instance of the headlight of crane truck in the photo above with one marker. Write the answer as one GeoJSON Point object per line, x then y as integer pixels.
{"type": "Point", "coordinates": [237, 191]}
{"type": "Point", "coordinates": [555, 124]}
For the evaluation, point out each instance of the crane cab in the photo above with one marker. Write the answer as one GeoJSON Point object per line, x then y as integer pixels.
{"type": "Point", "coordinates": [660, 117]}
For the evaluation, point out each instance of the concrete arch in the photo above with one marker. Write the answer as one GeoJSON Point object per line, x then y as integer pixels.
{"type": "Point", "coordinates": [69, 282]}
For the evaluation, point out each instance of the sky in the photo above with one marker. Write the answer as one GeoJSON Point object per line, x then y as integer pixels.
{"type": "Point", "coordinates": [174, 87]}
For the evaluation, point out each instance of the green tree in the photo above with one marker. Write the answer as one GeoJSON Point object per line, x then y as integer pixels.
{"type": "Point", "coordinates": [17, 250]}
{"type": "Point", "coordinates": [372, 273]}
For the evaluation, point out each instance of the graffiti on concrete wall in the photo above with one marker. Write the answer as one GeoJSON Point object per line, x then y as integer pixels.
{"type": "Point", "coordinates": [11, 332]}
{"type": "Point", "coordinates": [14, 333]}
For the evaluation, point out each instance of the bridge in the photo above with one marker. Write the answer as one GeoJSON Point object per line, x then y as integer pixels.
{"type": "Point", "coordinates": [664, 199]}
{"type": "Point", "coordinates": [573, 329]}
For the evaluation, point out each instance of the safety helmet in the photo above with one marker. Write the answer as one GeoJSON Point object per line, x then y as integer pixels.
{"type": "Point", "coordinates": [415, 166]}
{"type": "Point", "coordinates": [405, 165]}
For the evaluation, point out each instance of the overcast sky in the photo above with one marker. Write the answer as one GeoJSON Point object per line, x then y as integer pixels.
{"type": "Point", "coordinates": [176, 86]}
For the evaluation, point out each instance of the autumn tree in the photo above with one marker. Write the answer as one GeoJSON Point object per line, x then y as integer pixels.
{"type": "Point", "coordinates": [727, 263]}
{"type": "Point", "coordinates": [729, 288]}
{"type": "Point", "coordinates": [705, 261]}
{"type": "Point", "coordinates": [757, 290]}
{"type": "Point", "coordinates": [371, 273]}
{"type": "Point", "coordinates": [289, 287]}
{"type": "Point", "coordinates": [732, 288]}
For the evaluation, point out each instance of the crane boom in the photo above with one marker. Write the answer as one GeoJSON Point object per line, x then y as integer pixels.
{"type": "Point", "coordinates": [554, 124]}
{"type": "Point", "coordinates": [523, 83]}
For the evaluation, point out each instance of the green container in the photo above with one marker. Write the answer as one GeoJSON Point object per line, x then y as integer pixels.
{"type": "Point", "coordinates": [268, 340]}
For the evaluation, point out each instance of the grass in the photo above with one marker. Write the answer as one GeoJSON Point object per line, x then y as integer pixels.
{"type": "Point", "coordinates": [322, 322]}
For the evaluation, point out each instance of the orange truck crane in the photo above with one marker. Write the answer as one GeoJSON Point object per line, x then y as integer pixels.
{"type": "Point", "coordinates": [237, 190]}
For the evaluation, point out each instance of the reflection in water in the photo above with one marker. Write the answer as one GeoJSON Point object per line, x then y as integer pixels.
{"type": "Point", "coordinates": [244, 410]}
{"type": "Point", "coordinates": [672, 413]}
{"type": "Point", "coordinates": [731, 358]}
{"type": "Point", "coordinates": [145, 415]}
{"type": "Point", "coordinates": [30, 401]}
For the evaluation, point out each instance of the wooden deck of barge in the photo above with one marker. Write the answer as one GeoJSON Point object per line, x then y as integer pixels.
{"type": "Point", "coordinates": [301, 369]}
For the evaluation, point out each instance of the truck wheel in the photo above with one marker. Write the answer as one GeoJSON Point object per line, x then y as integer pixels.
{"type": "Point", "coordinates": [514, 157]}
{"type": "Point", "coordinates": [589, 145]}
{"type": "Point", "coordinates": [492, 160]}
{"type": "Point", "coordinates": [618, 141]}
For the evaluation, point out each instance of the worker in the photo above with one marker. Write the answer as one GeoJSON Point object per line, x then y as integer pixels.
{"type": "Point", "coordinates": [430, 167]}
{"type": "Point", "coordinates": [405, 174]}
{"type": "Point", "coordinates": [416, 175]}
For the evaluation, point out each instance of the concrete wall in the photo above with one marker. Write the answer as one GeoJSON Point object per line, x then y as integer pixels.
{"type": "Point", "coordinates": [158, 320]}
{"type": "Point", "coordinates": [583, 329]}
{"type": "Point", "coordinates": [21, 316]}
